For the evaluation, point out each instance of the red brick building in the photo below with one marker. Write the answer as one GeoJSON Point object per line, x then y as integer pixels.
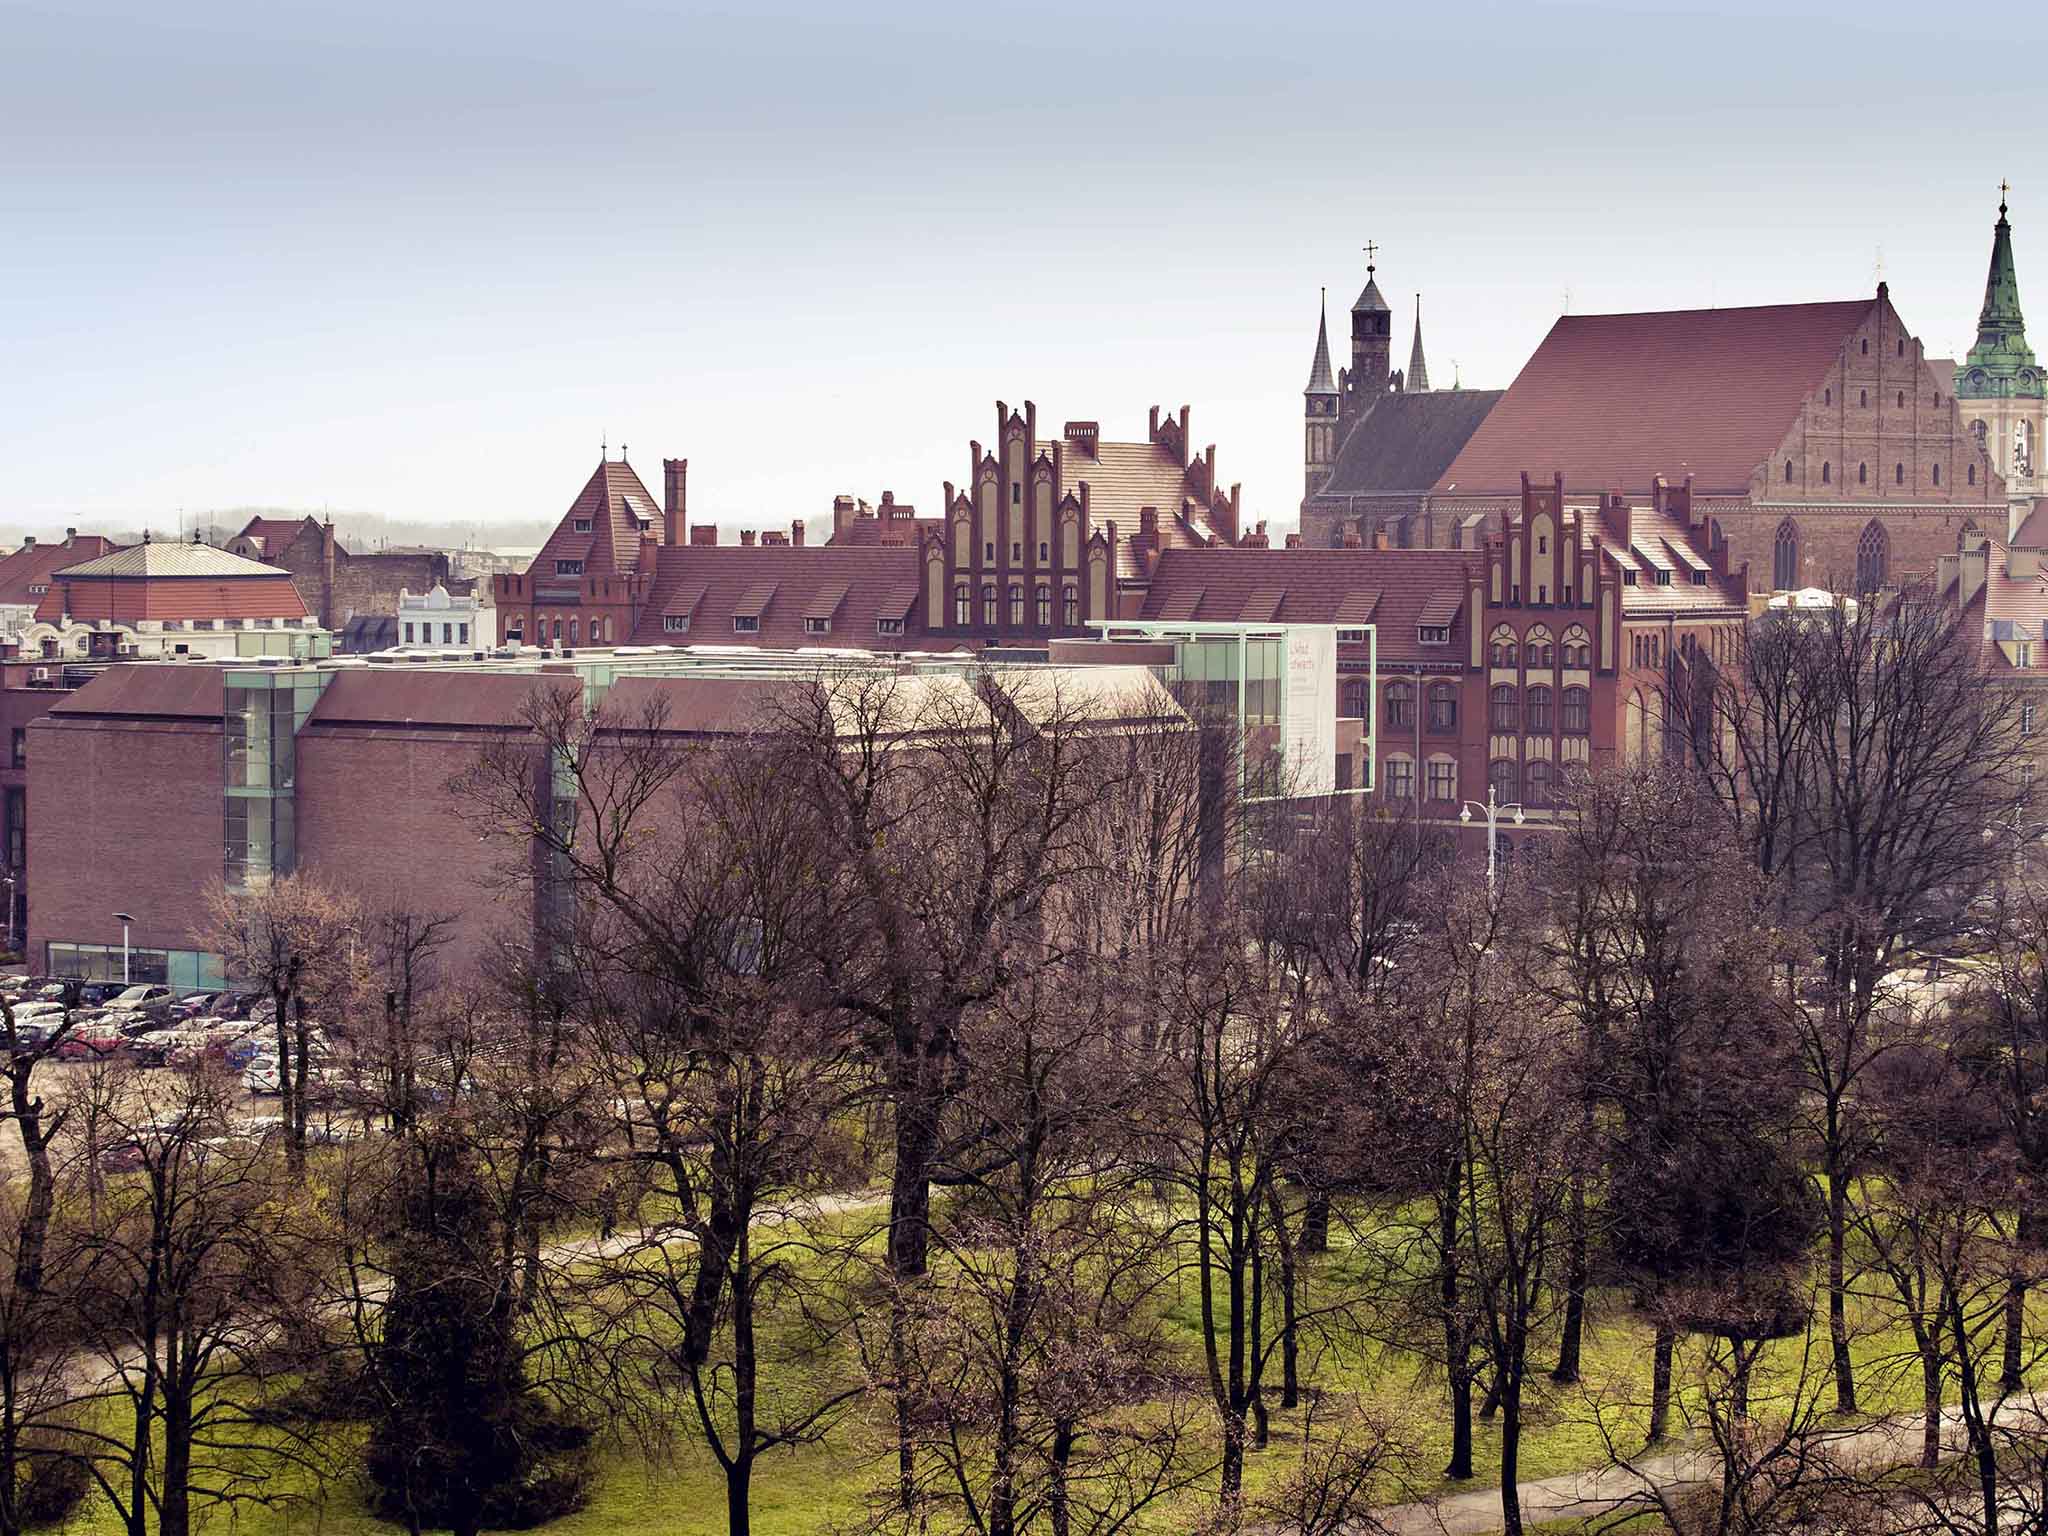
{"type": "Point", "coordinates": [1819, 443]}
{"type": "Point", "coordinates": [1045, 535]}
{"type": "Point", "coordinates": [339, 586]}
{"type": "Point", "coordinates": [25, 574]}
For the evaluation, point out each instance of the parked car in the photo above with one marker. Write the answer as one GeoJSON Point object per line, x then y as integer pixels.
{"type": "Point", "coordinates": [89, 1040]}
{"type": "Point", "coordinates": [145, 997]}
{"type": "Point", "coordinates": [203, 1041]}
{"type": "Point", "coordinates": [158, 1047]}
{"type": "Point", "coordinates": [244, 1049]}
{"type": "Point", "coordinates": [261, 1077]}
{"type": "Point", "coordinates": [231, 1005]}
{"type": "Point", "coordinates": [193, 1005]}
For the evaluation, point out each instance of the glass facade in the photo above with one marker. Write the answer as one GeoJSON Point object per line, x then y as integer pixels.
{"type": "Point", "coordinates": [182, 969]}
{"type": "Point", "coordinates": [259, 743]}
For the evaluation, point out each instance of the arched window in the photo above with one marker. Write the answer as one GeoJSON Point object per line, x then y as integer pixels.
{"type": "Point", "coordinates": [1578, 713]}
{"type": "Point", "coordinates": [1785, 558]}
{"type": "Point", "coordinates": [1016, 606]}
{"type": "Point", "coordinates": [1902, 399]}
{"type": "Point", "coordinates": [963, 607]}
{"type": "Point", "coordinates": [1827, 472]}
{"type": "Point", "coordinates": [1902, 346]}
{"type": "Point", "coordinates": [572, 631]}
{"type": "Point", "coordinates": [1578, 648]}
{"type": "Point", "coordinates": [1937, 474]}
{"type": "Point", "coordinates": [1862, 474]}
{"type": "Point", "coordinates": [1506, 709]}
{"type": "Point", "coordinates": [1898, 474]}
{"type": "Point", "coordinates": [1358, 701]}
{"type": "Point", "coordinates": [1788, 471]}
{"type": "Point", "coordinates": [1503, 779]}
{"type": "Point", "coordinates": [1827, 397]}
{"type": "Point", "coordinates": [988, 604]}
{"type": "Point", "coordinates": [1443, 707]}
{"type": "Point", "coordinates": [1871, 557]}
{"type": "Point", "coordinates": [1539, 783]}
{"type": "Point", "coordinates": [1045, 607]}
{"type": "Point", "coordinates": [1070, 608]}
{"type": "Point", "coordinates": [1539, 711]}
{"type": "Point", "coordinates": [1401, 705]}
{"type": "Point", "coordinates": [1973, 474]}
{"type": "Point", "coordinates": [1866, 346]}
{"type": "Point", "coordinates": [1863, 397]}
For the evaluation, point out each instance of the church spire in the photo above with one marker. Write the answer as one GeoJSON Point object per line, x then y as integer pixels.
{"type": "Point", "coordinates": [1416, 379]}
{"type": "Point", "coordinates": [1320, 380]}
{"type": "Point", "coordinates": [2001, 363]}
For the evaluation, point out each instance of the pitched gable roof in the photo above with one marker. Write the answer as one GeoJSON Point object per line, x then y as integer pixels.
{"type": "Point", "coordinates": [1407, 587]}
{"type": "Point", "coordinates": [32, 565]}
{"type": "Point", "coordinates": [612, 504]}
{"type": "Point", "coordinates": [1405, 441]}
{"type": "Point", "coordinates": [781, 585]}
{"type": "Point", "coordinates": [1125, 478]}
{"type": "Point", "coordinates": [1614, 400]}
{"type": "Point", "coordinates": [273, 534]}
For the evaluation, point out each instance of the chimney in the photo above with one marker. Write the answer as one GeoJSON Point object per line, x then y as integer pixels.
{"type": "Point", "coordinates": [28, 541]}
{"type": "Point", "coordinates": [1351, 539]}
{"type": "Point", "coordinates": [1148, 521]}
{"type": "Point", "coordinates": [774, 536]}
{"type": "Point", "coordinates": [71, 536]}
{"type": "Point", "coordinates": [796, 532]}
{"type": "Point", "coordinates": [1975, 567]}
{"type": "Point", "coordinates": [1084, 437]}
{"type": "Point", "coordinates": [746, 538]}
{"type": "Point", "coordinates": [1184, 437]}
{"type": "Point", "coordinates": [842, 514]}
{"type": "Point", "coordinates": [675, 498]}
{"type": "Point", "coordinates": [2020, 564]}
{"type": "Point", "coordinates": [704, 533]}
{"type": "Point", "coordinates": [1257, 539]}
{"type": "Point", "coordinates": [1380, 540]}
{"type": "Point", "coordinates": [1152, 426]}
{"type": "Point", "coordinates": [1294, 541]}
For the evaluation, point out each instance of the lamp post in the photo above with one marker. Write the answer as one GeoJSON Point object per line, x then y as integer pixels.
{"type": "Point", "coordinates": [1492, 812]}
{"type": "Point", "coordinates": [123, 920]}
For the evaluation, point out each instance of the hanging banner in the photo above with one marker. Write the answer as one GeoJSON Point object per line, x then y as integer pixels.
{"type": "Point", "coordinates": [1308, 709]}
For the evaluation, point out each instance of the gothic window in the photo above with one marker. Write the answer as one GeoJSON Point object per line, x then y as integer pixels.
{"type": "Point", "coordinates": [1937, 474]}
{"type": "Point", "coordinates": [1539, 711]}
{"type": "Point", "coordinates": [1401, 705]}
{"type": "Point", "coordinates": [1043, 551]}
{"type": "Point", "coordinates": [1866, 346]}
{"type": "Point", "coordinates": [963, 614]}
{"type": "Point", "coordinates": [1902, 346]}
{"type": "Point", "coordinates": [988, 604]}
{"type": "Point", "coordinates": [1871, 554]}
{"type": "Point", "coordinates": [1862, 473]}
{"type": "Point", "coordinates": [1827, 472]}
{"type": "Point", "coordinates": [1443, 707]}
{"type": "Point", "coordinates": [1578, 648]}
{"type": "Point", "coordinates": [1973, 474]}
{"type": "Point", "coordinates": [1539, 784]}
{"type": "Point", "coordinates": [1902, 399]}
{"type": "Point", "coordinates": [1016, 606]}
{"type": "Point", "coordinates": [1785, 557]}
{"type": "Point", "coordinates": [1358, 701]}
{"type": "Point", "coordinates": [1827, 397]}
{"type": "Point", "coordinates": [1045, 607]}
{"type": "Point", "coordinates": [1863, 397]}
{"type": "Point", "coordinates": [1788, 471]}
{"type": "Point", "coordinates": [1505, 709]}
{"type": "Point", "coordinates": [1016, 492]}
{"type": "Point", "coordinates": [1070, 608]}
{"type": "Point", "coordinates": [1898, 474]}
{"type": "Point", "coordinates": [1578, 712]}
{"type": "Point", "coordinates": [1503, 779]}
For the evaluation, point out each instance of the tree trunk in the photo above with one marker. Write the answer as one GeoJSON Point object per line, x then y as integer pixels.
{"type": "Point", "coordinates": [1568, 1345]}
{"type": "Point", "coordinates": [1315, 1223]}
{"type": "Point", "coordinates": [1457, 1348]}
{"type": "Point", "coordinates": [1660, 1384]}
{"type": "Point", "coordinates": [2011, 1378]}
{"type": "Point", "coordinates": [287, 1089]}
{"type": "Point", "coordinates": [1062, 1456]}
{"type": "Point", "coordinates": [1511, 1455]}
{"type": "Point", "coordinates": [1930, 1399]}
{"type": "Point", "coordinates": [1838, 1288]}
{"type": "Point", "coordinates": [1290, 1381]}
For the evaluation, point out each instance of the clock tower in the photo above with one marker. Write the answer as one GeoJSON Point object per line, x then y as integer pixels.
{"type": "Point", "coordinates": [1371, 346]}
{"type": "Point", "coordinates": [1999, 386]}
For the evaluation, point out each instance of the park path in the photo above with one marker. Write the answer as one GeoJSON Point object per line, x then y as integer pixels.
{"type": "Point", "coordinates": [1635, 1485]}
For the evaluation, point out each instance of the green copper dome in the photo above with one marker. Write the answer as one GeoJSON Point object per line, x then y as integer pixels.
{"type": "Point", "coordinates": [2001, 365]}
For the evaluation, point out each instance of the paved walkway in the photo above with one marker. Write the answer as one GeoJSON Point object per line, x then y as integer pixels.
{"type": "Point", "coordinates": [1604, 1490]}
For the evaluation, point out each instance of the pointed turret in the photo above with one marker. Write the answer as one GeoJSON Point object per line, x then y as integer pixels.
{"type": "Point", "coordinates": [1320, 380]}
{"type": "Point", "coordinates": [1320, 403]}
{"type": "Point", "coordinates": [1417, 377]}
{"type": "Point", "coordinates": [1366, 379]}
{"type": "Point", "coordinates": [2001, 364]}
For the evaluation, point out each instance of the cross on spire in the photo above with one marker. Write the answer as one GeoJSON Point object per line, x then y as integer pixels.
{"type": "Point", "coordinates": [1371, 251]}
{"type": "Point", "coordinates": [2004, 187]}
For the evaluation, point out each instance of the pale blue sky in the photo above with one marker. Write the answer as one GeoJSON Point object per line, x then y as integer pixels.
{"type": "Point", "coordinates": [418, 259]}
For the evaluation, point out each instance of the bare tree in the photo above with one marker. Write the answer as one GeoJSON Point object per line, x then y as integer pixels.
{"type": "Point", "coordinates": [292, 938]}
{"type": "Point", "coordinates": [1857, 755]}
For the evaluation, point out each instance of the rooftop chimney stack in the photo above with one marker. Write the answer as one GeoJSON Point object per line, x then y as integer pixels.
{"type": "Point", "coordinates": [675, 497]}
{"type": "Point", "coordinates": [796, 532]}
{"type": "Point", "coordinates": [703, 534]}
{"type": "Point", "coordinates": [746, 538]}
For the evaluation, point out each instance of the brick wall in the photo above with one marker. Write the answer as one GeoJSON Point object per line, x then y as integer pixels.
{"type": "Point", "coordinates": [375, 816]}
{"type": "Point", "coordinates": [124, 816]}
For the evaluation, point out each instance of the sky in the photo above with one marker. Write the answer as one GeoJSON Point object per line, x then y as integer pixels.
{"type": "Point", "coordinates": [421, 259]}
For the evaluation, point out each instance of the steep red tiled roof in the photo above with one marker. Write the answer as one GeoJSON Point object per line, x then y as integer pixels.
{"type": "Point", "coordinates": [32, 565]}
{"type": "Point", "coordinates": [782, 585]}
{"type": "Point", "coordinates": [1319, 586]}
{"type": "Point", "coordinates": [615, 504]}
{"type": "Point", "coordinates": [1125, 478]}
{"type": "Point", "coordinates": [1613, 400]}
{"type": "Point", "coordinates": [274, 534]}
{"type": "Point", "coordinates": [1659, 541]}
{"type": "Point", "coordinates": [2031, 534]}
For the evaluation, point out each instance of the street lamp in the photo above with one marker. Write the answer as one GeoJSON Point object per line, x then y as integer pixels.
{"type": "Point", "coordinates": [124, 920]}
{"type": "Point", "coordinates": [1492, 812]}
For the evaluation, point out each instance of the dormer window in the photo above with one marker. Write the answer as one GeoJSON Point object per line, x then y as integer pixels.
{"type": "Point", "coordinates": [568, 567]}
{"type": "Point", "coordinates": [888, 626]}
{"type": "Point", "coordinates": [817, 626]}
{"type": "Point", "coordinates": [1433, 634]}
{"type": "Point", "coordinates": [746, 624]}
{"type": "Point", "coordinates": [1351, 637]}
{"type": "Point", "coordinates": [1663, 578]}
{"type": "Point", "coordinates": [1628, 578]}
{"type": "Point", "coordinates": [580, 525]}
{"type": "Point", "coordinates": [1699, 578]}
{"type": "Point", "coordinates": [675, 623]}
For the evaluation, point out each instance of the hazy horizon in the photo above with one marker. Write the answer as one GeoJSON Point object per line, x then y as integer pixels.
{"type": "Point", "coordinates": [416, 265]}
